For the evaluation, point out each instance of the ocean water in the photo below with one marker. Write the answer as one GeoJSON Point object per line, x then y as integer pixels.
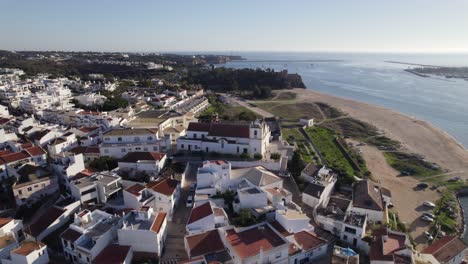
{"type": "Point", "coordinates": [369, 78]}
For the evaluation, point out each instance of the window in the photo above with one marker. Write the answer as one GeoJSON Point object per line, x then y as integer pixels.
{"type": "Point", "coordinates": [155, 148]}
{"type": "Point", "coordinates": [182, 146]}
{"type": "Point", "coordinates": [350, 230]}
{"type": "Point", "coordinates": [278, 255]}
{"type": "Point", "coordinates": [20, 192]}
{"type": "Point", "coordinates": [106, 139]}
{"type": "Point", "coordinates": [119, 139]}
{"type": "Point", "coordinates": [137, 148]}
{"type": "Point", "coordinates": [123, 150]}
{"type": "Point", "coordinates": [137, 139]}
{"type": "Point", "coordinates": [29, 189]}
{"type": "Point", "coordinates": [35, 186]}
{"type": "Point", "coordinates": [194, 135]}
{"type": "Point", "coordinates": [150, 138]}
{"type": "Point", "coordinates": [255, 133]}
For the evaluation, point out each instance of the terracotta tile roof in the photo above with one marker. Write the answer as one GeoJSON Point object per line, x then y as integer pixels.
{"type": "Point", "coordinates": [38, 135]}
{"type": "Point", "coordinates": [221, 130]}
{"type": "Point", "coordinates": [134, 157]}
{"type": "Point", "coordinates": [85, 150]}
{"type": "Point", "coordinates": [158, 222]}
{"type": "Point", "coordinates": [70, 235]}
{"type": "Point", "coordinates": [163, 186]}
{"type": "Point", "coordinates": [367, 195]}
{"type": "Point", "coordinates": [135, 189]}
{"type": "Point", "coordinates": [83, 174]}
{"type": "Point", "coordinates": [112, 254]}
{"type": "Point", "coordinates": [200, 212]}
{"type": "Point", "coordinates": [27, 247]}
{"type": "Point", "coordinates": [13, 157]}
{"type": "Point", "coordinates": [218, 162]}
{"type": "Point", "coordinates": [250, 242]}
{"type": "Point", "coordinates": [385, 249]}
{"type": "Point", "coordinates": [4, 221]}
{"type": "Point", "coordinates": [44, 221]}
{"type": "Point", "coordinates": [88, 129]}
{"type": "Point", "coordinates": [4, 152]}
{"type": "Point", "coordinates": [4, 121]}
{"type": "Point", "coordinates": [35, 151]}
{"type": "Point", "coordinates": [218, 211]}
{"type": "Point", "coordinates": [278, 227]}
{"type": "Point", "coordinates": [204, 243]}
{"type": "Point", "coordinates": [446, 248]}
{"type": "Point", "coordinates": [308, 241]}
{"type": "Point", "coordinates": [129, 132]}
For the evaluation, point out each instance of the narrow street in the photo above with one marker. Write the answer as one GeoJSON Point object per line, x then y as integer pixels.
{"type": "Point", "coordinates": [174, 250]}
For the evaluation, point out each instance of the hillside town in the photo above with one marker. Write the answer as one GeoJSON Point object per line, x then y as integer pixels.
{"type": "Point", "coordinates": [155, 181]}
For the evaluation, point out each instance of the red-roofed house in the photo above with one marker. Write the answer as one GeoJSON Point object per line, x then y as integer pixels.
{"type": "Point", "coordinates": [390, 247]}
{"type": "Point", "coordinates": [50, 220]}
{"type": "Point", "coordinates": [203, 243]}
{"type": "Point", "coordinates": [90, 152]}
{"type": "Point", "coordinates": [28, 252]}
{"type": "Point", "coordinates": [115, 254]}
{"type": "Point", "coordinates": [201, 219]}
{"type": "Point", "coordinates": [166, 193]}
{"type": "Point", "coordinates": [149, 162]}
{"type": "Point", "coordinates": [448, 249]}
{"type": "Point", "coordinates": [144, 230]}
{"type": "Point", "coordinates": [260, 244]}
{"type": "Point", "coordinates": [137, 196]}
{"type": "Point", "coordinates": [305, 247]}
{"type": "Point", "coordinates": [252, 138]}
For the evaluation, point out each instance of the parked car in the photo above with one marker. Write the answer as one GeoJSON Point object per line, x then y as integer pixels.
{"type": "Point", "coordinates": [429, 215]}
{"type": "Point", "coordinates": [189, 202]}
{"type": "Point", "coordinates": [422, 185]}
{"type": "Point", "coordinates": [428, 235]}
{"type": "Point", "coordinates": [429, 204]}
{"type": "Point", "coordinates": [427, 218]}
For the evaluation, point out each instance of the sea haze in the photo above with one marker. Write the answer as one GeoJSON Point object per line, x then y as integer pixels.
{"type": "Point", "coordinates": [371, 79]}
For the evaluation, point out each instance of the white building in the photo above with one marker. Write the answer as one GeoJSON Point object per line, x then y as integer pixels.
{"type": "Point", "coordinates": [150, 163]}
{"type": "Point", "coordinates": [448, 249]}
{"type": "Point", "coordinates": [88, 235]}
{"type": "Point", "coordinates": [51, 219]}
{"type": "Point", "coordinates": [11, 234]}
{"type": "Point", "coordinates": [89, 99]}
{"type": "Point", "coordinates": [29, 252]}
{"type": "Point", "coordinates": [63, 143]}
{"type": "Point", "coordinates": [369, 199]}
{"type": "Point", "coordinates": [204, 217]}
{"type": "Point", "coordinates": [306, 247]}
{"type": "Point", "coordinates": [33, 184]}
{"type": "Point", "coordinates": [97, 188]}
{"type": "Point", "coordinates": [68, 165]}
{"type": "Point", "coordinates": [144, 230]}
{"type": "Point", "coordinates": [321, 184]}
{"type": "Point", "coordinates": [256, 244]}
{"type": "Point", "coordinates": [251, 139]}
{"type": "Point", "coordinates": [166, 193]}
{"type": "Point", "coordinates": [118, 142]}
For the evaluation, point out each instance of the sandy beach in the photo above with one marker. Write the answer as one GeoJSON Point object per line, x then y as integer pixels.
{"type": "Point", "coordinates": [415, 135]}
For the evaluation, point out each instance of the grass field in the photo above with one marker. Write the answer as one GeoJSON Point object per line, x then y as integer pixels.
{"type": "Point", "coordinates": [324, 141]}
{"type": "Point", "coordinates": [291, 135]}
{"type": "Point", "coordinates": [291, 110]}
{"type": "Point", "coordinates": [286, 96]}
{"type": "Point", "coordinates": [411, 164]}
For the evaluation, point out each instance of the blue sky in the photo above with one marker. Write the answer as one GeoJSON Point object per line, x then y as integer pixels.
{"type": "Point", "coordinates": [237, 25]}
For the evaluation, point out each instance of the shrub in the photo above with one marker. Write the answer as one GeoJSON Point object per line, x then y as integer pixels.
{"type": "Point", "coordinates": [275, 156]}
{"type": "Point", "coordinates": [258, 156]}
{"type": "Point", "coordinates": [244, 156]}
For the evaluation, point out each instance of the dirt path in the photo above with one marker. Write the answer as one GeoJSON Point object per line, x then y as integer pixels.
{"type": "Point", "coordinates": [256, 110]}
